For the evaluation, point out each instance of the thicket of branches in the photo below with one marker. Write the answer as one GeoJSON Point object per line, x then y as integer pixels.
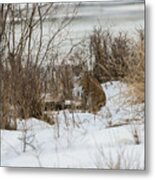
{"type": "Point", "coordinates": [26, 57]}
{"type": "Point", "coordinates": [116, 56]}
{"type": "Point", "coordinates": [119, 57]}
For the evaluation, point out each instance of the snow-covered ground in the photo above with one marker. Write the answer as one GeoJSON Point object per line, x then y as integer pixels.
{"type": "Point", "coordinates": [111, 139]}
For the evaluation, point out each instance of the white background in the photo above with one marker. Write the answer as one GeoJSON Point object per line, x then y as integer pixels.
{"type": "Point", "coordinates": [41, 174]}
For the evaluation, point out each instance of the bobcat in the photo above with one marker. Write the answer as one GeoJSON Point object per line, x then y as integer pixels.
{"type": "Point", "coordinates": [93, 96]}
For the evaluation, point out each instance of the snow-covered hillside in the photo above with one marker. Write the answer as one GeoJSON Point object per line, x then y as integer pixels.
{"type": "Point", "coordinates": [111, 139]}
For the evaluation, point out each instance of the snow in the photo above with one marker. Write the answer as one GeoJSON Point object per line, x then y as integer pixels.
{"type": "Point", "coordinates": [81, 140]}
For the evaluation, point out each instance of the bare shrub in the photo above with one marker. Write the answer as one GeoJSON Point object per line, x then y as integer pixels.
{"type": "Point", "coordinates": [119, 57]}
{"type": "Point", "coordinates": [110, 54]}
{"type": "Point", "coordinates": [24, 60]}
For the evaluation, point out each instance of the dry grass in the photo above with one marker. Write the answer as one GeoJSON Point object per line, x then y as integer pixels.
{"type": "Point", "coordinates": [120, 58]}
{"type": "Point", "coordinates": [136, 75]}
{"type": "Point", "coordinates": [118, 159]}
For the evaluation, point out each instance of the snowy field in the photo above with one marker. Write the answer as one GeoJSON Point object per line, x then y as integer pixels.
{"type": "Point", "coordinates": [111, 139]}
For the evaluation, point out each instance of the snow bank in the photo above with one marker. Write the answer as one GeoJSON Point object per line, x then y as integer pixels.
{"type": "Point", "coordinates": [81, 140]}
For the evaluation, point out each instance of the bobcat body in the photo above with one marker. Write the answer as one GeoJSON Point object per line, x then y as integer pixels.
{"type": "Point", "coordinates": [92, 96]}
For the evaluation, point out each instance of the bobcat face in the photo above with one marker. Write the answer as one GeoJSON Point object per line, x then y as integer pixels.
{"type": "Point", "coordinates": [92, 94]}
